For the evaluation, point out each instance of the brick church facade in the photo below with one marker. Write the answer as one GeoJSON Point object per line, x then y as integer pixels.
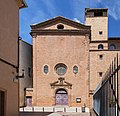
{"type": "Point", "coordinates": [70, 59]}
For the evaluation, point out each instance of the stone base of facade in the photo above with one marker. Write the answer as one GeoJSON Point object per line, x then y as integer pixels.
{"type": "Point", "coordinates": [54, 109]}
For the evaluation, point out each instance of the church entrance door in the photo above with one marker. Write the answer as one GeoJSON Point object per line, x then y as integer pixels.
{"type": "Point", "coordinates": [61, 97]}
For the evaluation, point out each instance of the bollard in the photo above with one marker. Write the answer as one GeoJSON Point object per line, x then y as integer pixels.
{"type": "Point", "coordinates": [83, 108]}
{"type": "Point", "coordinates": [64, 109]}
{"type": "Point", "coordinates": [33, 109]}
{"type": "Point", "coordinates": [76, 109]}
{"type": "Point", "coordinates": [53, 109]}
{"type": "Point", "coordinates": [43, 109]}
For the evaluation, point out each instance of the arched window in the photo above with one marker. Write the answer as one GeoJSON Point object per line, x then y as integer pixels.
{"type": "Point", "coordinates": [75, 69]}
{"type": "Point", "coordinates": [112, 47]}
{"type": "Point", "coordinates": [45, 69]}
{"type": "Point", "coordinates": [61, 91]}
{"type": "Point", "coordinates": [60, 69]}
{"type": "Point", "coordinates": [100, 46]}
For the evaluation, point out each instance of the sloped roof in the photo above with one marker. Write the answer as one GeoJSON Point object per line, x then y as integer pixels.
{"type": "Point", "coordinates": [75, 27]}
{"type": "Point", "coordinates": [60, 19]}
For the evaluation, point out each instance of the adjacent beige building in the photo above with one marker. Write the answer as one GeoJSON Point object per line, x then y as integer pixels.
{"type": "Point", "coordinates": [25, 69]}
{"type": "Point", "coordinates": [70, 59]}
{"type": "Point", "coordinates": [9, 23]}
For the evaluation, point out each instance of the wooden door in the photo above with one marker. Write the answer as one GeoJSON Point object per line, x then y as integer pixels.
{"type": "Point", "coordinates": [61, 97]}
{"type": "Point", "coordinates": [29, 101]}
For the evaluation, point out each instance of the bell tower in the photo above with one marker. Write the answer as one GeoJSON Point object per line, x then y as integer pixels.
{"type": "Point", "coordinates": [98, 20]}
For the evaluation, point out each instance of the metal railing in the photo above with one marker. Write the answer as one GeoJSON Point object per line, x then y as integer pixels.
{"type": "Point", "coordinates": [106, 96]}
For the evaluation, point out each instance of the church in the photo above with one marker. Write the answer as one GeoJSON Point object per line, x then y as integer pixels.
{"type": "Point", "coordinates": [70, 59]}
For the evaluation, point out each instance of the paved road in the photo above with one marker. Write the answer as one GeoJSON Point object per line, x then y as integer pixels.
{"type": "Point", "coordinates": [34, 114]}
{"type": "Point", "coordinates": [69, 114]}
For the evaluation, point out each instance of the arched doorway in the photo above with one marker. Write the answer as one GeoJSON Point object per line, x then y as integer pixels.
{"type": "Point", "coordinates": [61, 97]}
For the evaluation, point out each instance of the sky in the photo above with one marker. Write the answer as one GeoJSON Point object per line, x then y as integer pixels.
{"type": "Point", "coordinates": [42, 10]}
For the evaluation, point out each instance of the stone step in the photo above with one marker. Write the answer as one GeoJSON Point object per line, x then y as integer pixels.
{"type": "Point", "coordinates": [53, 109]}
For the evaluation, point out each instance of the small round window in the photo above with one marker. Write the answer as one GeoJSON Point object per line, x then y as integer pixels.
{"type": "Point", "coordinates": [60, 26]}
{"type": "Point", "coordinates": [60, 69]}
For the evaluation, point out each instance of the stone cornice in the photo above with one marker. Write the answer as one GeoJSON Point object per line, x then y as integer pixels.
{"type": "Point", "coordinates": [60, 32]}
{"type": "Point", "coordinates": [21, 3]}
{"type": "Point", "coordinates": [104, 50]}
{"type": "Point", "coordinates": [101, 41]}
{"type": "Point", "coordinates": [106, 41]}
{"type": "Point", "coordinates": [114, 38]}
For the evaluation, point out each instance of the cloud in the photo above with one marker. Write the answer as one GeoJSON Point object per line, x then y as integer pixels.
{"type": "Point", "coordinates": [76, 20]}
{"type": "Point", "coordinates": [41, 10]}
{"type": "Point", "coordinates": [51, 9]}
{"type": "Point", "coordinates": [99, 1]}
{"type": "Point", "coordinates": [39, 16]}
{"type": "Point", "coordinates": [114, 10]}
{"type": "Point", "coordinates": [113, 7]}
{"type": "Point", "coordinates": [37, 11]}
{"type": "Point", "coordinates": [80, 5]}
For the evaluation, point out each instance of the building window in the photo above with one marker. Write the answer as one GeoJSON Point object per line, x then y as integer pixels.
{"type": "Point", "coordinates": [78, 100]}
{"type": "Point", "coordinates": [75, 69]}
{"type": "Point", "coordinates": [2, 103]}
{"type": "Point", "coordinates": [60, 26]}
{"type": "Point", "coordinates": [100, 32]}
{"type": "Point", "coordinates": [101, 57]}
{"type": "Point", "coordinates": [100, 46]}
{"type": "Point", "coordinates": [29, 72]}
{"type": "Point", "coordinates": [60, 69]}
{"type": "Point", "coordinates": [98, 13]}
{"type": "Point", "coordinates": [45, 69]}
{"type": "Point", "coordinates": [112, 47]}
{"type": "Point", "coordinates": [100, 74]}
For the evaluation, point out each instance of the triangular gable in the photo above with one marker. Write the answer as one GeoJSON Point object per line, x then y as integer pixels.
{"type": "Point", "coordinates": [52, 24]}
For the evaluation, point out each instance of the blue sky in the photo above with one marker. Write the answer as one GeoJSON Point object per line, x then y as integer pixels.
{"type": "Point", "coordinates": [41, 10]}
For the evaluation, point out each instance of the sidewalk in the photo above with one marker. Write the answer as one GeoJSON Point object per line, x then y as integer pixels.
{"type": "Point", "coordinates": [69, 114]}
